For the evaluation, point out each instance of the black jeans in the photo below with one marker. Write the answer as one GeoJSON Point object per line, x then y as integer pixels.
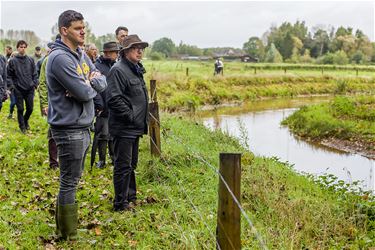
{"type": "Point", "coordinates": [72, 146]}
{"type": "Point", "coordinates": [126, 159]}
{"type": "Point", "coordinates": [28, 97]}
{"type": "Point", "coordinates": [13, 102]}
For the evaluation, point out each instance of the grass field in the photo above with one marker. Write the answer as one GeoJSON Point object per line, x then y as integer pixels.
{"type": "Point", "coordinates": [178, 91]}
{"type": "Point", "coordinates": [178, 196]}
{"type": "Point", "coordinates": [343, 118]}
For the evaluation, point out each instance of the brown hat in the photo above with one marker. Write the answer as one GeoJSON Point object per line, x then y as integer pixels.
{"type": "Point", "coordinates": [110, 46]}
{"type": "Point", "coordinates": [131, 40]}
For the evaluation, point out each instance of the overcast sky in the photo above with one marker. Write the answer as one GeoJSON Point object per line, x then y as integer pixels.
{"type": "Point", "coordinates": [205, 24]}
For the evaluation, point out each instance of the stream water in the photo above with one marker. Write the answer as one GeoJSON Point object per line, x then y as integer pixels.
{"type": "Point", "coordinates": [258, 123]}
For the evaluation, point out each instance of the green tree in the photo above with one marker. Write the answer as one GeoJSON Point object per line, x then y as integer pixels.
{"type": "Point", "coordinates": [282, 37]}
{"type": "Point", "coordinates": [254, 47]}
{"type": "Point", "coordinates": [192, 50]}
{"type": "Point", "coordinates": [164, 45]}
{"type": "Point", "coordinates": [273, 55]}
{"type": "Point", "coordinates": [322, 41]}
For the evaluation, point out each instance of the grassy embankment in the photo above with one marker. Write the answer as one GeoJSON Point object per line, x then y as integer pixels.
{"type": "Point", "coordinates": [289, 211]}
{"type": "Point", "coordinates": [347, 119]}
{"type": "Point", "coordinates": [176, 90]}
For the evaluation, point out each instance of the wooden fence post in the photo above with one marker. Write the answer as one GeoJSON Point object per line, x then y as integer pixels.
{"type": "Point", "coordinates": [228, 213]}
{"type": "Point", "coordinates": [187, 71]}
{"type": "Point", "coordinates": [154, 121]}
{"type": "Point", "coordinates": [153, 96]}
{"type": "Point", "coordinates": [255, 70]}
{"type": "Point", "coordinates": [154, 129]}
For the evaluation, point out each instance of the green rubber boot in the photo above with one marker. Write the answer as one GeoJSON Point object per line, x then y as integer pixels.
{"type": "Point", "coordinates": [58, 232]}
{"type": "Point", "coordinates": [67, 219]}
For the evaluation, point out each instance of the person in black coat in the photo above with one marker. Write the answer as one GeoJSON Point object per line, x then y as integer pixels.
{"type": "Point", "coordinates": [101, 137]}
{"type": "Point", "coordinates": [127, 102]}
{"type": "Point", "coordinates": [23, 75]}
{"type": "Point", "coordinates": [3, 80]}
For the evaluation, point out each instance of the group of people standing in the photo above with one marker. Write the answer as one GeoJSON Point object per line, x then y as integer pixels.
{"type": "Point", "coordinates": [79, 88]}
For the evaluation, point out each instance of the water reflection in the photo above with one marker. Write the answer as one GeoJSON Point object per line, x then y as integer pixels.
{"type": "Point", "coordinates": [266, 137]}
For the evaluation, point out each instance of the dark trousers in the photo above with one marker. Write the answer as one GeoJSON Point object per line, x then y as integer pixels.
{"type": "Point", "coordinates": [102, 135]}
{"type": "Point", "coordinates": [13, 102]}
{"type": "Point", "coordinates": [72, 146]}
{"type": "Point", "coordinates": [126, 159]}
{"type": "Point", "coordinates": [22, 96]}
{"type": "Point", "coordinates": [52, 151]}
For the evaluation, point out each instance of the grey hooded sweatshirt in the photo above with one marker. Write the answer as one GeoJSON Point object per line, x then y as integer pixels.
{"type": "Point", "coordinates": [70, 98]}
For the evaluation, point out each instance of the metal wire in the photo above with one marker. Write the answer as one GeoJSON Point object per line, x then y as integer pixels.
{"type": "Point", "coordinates": [188, 196]}
{"type": "Point", "coordinates": [254, 230]}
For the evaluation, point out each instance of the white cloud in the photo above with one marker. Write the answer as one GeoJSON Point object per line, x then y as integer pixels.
{"type": "Point", "coordinates": [205, 24]}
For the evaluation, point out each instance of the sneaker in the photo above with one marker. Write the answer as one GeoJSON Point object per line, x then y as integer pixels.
{"type": "Point", "coordinates": [23, 130]}
{"type": "Point", "coordinates": [27, 126]}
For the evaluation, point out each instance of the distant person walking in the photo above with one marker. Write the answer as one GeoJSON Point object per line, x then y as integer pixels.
{"type": "Point", "coordinates": [23, 77]}
{"type": "Point", "coordinates": [219, 66]}
{"type": "Point", "coordinates": [128, 111]}
{"type": "Point", "coordinates": [73, 82]}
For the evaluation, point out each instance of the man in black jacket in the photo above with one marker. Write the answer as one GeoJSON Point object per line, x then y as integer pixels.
{"type": "Point", "coordinates": [128, 110]}
{"type": "Point", "coordinates": [22, 73]}
{"type": "Point", "coordinates": [3, 80]}
{"type": "Point", "coordinates": [101, 138]}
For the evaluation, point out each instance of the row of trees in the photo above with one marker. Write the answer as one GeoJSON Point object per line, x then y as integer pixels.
{"type": "Point", "coordinates": [291, 43]}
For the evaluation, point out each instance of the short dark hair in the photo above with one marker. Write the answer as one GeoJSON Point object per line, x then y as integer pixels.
{"type": "Point", "coordinates": [9, 47]}
{"type": "Point", "coordinates": [120, 28]}
{"type": "Point", "coordinates": [21, 42]}
{"type": "Point", "coordinates": [37, 48]}
{"type": "Point", "coordinates": [67, 17]}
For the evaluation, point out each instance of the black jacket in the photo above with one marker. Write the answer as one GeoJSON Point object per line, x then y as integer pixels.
{"type": "Point", "coordinates": [127, 100]}
{"type": "Point", "coordinates": [100, 100]}
{"type": "Point", "coordinates": [3, 77]}
{"type": "Point", "coordinates": [22, 72]}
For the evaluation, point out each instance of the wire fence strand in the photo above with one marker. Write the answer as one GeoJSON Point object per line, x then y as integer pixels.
{"type": "Point", "coordinates": [181, 186]}
{"type": "Point", "coordinates": [198, 156]}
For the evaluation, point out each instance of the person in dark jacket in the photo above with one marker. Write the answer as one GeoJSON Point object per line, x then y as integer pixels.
{"type": "Point", "coordinates": [101, 137]}
{"type": "Point", "coordinates": [8, 52]}
{"type": "Point", "coordinates": [121, 32]}
{"type": "Point", "coordinates": [3, 80]}
{"type": "Point", "coordinates": [128, 110]}
{"type": "Point", "coordinates": [23, 76]}
{"type": "Point", "coordinates": [72, 83]}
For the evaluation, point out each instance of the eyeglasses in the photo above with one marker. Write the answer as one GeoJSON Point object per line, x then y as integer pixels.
{"type": "Point", "coordinates": [139, 48]}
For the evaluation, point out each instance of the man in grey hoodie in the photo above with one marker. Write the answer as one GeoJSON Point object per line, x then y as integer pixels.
{"type": "Point", "coordinates": [73, 82]}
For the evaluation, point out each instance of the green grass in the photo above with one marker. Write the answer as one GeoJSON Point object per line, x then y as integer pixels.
{"type": "Point", "coordinates": [178, 91]}
{"type": "Point", "coordinates": [343, 118]}
{"type": "Point", "coordinates": [290, 211]}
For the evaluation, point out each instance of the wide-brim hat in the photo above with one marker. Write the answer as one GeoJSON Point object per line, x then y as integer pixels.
{"type": "Point", "coordinates": [110, 46]}
{"type": "Point", "coordinates": [132, 40]}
